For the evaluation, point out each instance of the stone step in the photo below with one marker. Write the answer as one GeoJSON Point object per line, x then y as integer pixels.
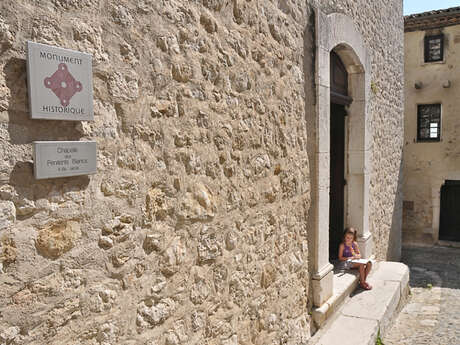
{"type": "Point", "coordinates": [344, 283]}
{"type": "Point", "coordinates": [364, 313]}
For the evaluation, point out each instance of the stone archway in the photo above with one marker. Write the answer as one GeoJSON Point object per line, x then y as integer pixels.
{"type": "Point", "coordinates": [336, 32]}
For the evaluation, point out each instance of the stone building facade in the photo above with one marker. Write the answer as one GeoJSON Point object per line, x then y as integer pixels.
{"type": "Point", "coordinates": [432, 154]}
{"type": "Point", "coordinates": [207, 221]}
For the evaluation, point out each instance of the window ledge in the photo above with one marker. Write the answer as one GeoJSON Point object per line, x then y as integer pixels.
{"type": "Point", "coordinates": [443, 62]}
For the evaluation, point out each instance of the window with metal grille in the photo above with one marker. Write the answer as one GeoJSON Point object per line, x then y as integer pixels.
{"type": "Point", "coordinates": [434, 48]}
{"type": "Point", "coordinates": [429, 122]}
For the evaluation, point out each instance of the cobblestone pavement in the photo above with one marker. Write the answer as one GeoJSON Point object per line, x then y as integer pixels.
{"type": "Point", "coordinates": [432, 313]}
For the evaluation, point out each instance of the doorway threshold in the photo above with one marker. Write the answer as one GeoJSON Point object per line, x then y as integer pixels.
{"type": "Point", "coordinates": [444, 243]}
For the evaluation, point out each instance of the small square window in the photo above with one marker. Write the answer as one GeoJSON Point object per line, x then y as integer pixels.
{"type": "Point", "coordinates": [434, 48]}
{"type": "Point", "coordinates": [429, 122]}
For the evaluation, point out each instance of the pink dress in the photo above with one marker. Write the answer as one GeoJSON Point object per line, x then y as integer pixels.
{"type": "Point", "coordinates": [348, 252]}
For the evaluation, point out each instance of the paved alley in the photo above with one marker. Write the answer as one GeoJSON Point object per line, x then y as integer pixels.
{"type": "Point", "coordinates": [432, 313]}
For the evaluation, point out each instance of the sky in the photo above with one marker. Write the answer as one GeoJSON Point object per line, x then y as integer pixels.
{"type": "Point", "coordinates": [417, 6]}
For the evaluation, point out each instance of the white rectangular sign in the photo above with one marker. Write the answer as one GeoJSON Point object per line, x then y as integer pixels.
{"type": "Point", "coordinates": [64, 158]}
{"type": "Point", "coordinates": [60, 83]}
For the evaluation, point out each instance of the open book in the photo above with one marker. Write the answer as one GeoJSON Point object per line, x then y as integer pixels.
{"type": "Point", "coordinates": [359, 261]}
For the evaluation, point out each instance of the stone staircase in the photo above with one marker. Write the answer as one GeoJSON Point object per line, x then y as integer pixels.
{"type": "Point", "coordinates": [355, 316]}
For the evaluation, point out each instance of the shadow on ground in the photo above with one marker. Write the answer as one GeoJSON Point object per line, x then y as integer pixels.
{"type": "Point", "coordinates": [423, 261]}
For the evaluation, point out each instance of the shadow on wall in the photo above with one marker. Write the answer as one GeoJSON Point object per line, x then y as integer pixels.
{"type": "Point", "coordinates": [395, 238]}
{"type": "Point", "coordinates": [310, 95]}
{"type": "Point", "coordinates": [28, 190]}
{"type": "Point", "coordinates": [22, 132]}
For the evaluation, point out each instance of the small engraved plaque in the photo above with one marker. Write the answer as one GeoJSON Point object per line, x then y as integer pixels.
{"type": "Point", "coordinates": [64, 158]}
{"type": "Point", "coordinates": [60, 83]}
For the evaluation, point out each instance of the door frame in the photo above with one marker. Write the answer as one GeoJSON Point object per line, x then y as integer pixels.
{"type": "Point", "coordinates": [337, 32]}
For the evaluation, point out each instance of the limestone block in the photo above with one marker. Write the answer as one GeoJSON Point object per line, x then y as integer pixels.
{"type": "Point", "coordinates": [105, 242]}
{"type": "Point", "coordinates": [154, 314]}
{"type": "Point", "coordinates": [158, 285]}
{"type": "Point", "coordinates": [122, 15]}
{"type": "Point", "coordinates": [171, 338]}
{"type": "Point", "coordinates": [220, 278]}
{"type": "Point", "coordinates": [218, 327]}
{"type": "Point", "coordinates": [101, 299]}
{"type": "Point", "coordinates": [199, 292]}
{"type": "Point", "coordinates": [198, 320]}
{"type": "Point", "coordinates": [25, 207]}
{"type": "Point", "coordinates": [208, 22]}
{"type": "Point", "coordinates": [89, 39]}
{"type": "Point", "coordinates": [260, 163]}
{"type": "Point", "coordinates": [274, 30]}
{"type": "Point", "coordinates": [153, 242]}
{"type": "Point", "coordinates": [269, 275]}
{"type": "Point", "coordinates": [173, 257]}
{"type": "Point", "coordinates": [7, 214]}
{"type": "Point", "coordinates": [4, 94]}
{"type": "Point", "coordinates": [197, 204]}
{"type": "Point", "coordinates": [107, 334]}
{"type": "Point", "coordinates": [271, 323]}
{"type": "Point", "coordinates": [8, 250]}
{"type": "Point", "coordinates": [57, 239]}
{"type": "Point", "coordinates": [182, 72]}
{"type": "Point", "coordinates": [6, 35]}
{"type": "Point", "coordinates": [9, 335]}
{"type": "Point", "coordinates": [240, 82]}
{"type": "Point", "coordinates": [117, 229]}
{"type": "Point", "coordinates": [47, 30]}
{"type": "Point", "coordinates": [122, 253]}
{"type": "Point", "coordinates": [209, 247]}
{"type": "Point", "coordinates": [231, 240]}
{"type": "Point", "coordinates": [124, 87]}
{"type": "Point", "coordinates": [233, 340]}
{"type": "Point", "coordinates": [296, 331]}
{"type": "Point", "coordinates": [155, 204]}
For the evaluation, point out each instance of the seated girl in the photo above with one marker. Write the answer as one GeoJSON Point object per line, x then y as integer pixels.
{"type": "Point", "coordinates": [349, 249]}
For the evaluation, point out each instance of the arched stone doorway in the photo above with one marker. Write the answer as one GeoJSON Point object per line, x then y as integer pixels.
{"type": "Point", "coordinates": [337, 33]}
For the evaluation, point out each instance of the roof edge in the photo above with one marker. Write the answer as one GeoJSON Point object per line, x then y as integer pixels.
{"type": "Point", "coordinates": [433, 13]}
{"type": "Point", "coordinates": [432, 19]}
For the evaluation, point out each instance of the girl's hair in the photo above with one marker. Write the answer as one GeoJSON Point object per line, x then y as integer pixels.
{"type": "Point", "coordinates": [349, 230]}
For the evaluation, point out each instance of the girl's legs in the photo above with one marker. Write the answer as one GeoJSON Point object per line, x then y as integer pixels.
{"type": "Point", "coordinates": [366, 272]}
{"type": "Point", "coordinates": [362, 274]}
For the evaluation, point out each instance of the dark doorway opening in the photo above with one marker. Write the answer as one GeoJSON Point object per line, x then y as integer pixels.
{"type": "Point", "coordinates": [337, 180]}
{"type": "Point", "coordinates": [339, 99]}
{"type": "Point", "coordinates": [449, 222]}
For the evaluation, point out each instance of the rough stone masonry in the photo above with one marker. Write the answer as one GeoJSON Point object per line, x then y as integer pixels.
{"type": "Point", "coordinates": [193, 231]}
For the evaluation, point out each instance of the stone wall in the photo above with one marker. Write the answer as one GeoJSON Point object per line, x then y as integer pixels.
{"type": "Point", "coordinates": [428, 164]}
{"type": "Point", "coordinates": [194, 228]}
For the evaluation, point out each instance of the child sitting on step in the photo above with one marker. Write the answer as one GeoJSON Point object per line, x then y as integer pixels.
{"type": "Point", "coordinates": [348, 249]}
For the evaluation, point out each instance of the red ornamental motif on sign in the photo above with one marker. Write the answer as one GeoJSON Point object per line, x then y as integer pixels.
{"type": "Point", "coordinates": [63, 84]}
